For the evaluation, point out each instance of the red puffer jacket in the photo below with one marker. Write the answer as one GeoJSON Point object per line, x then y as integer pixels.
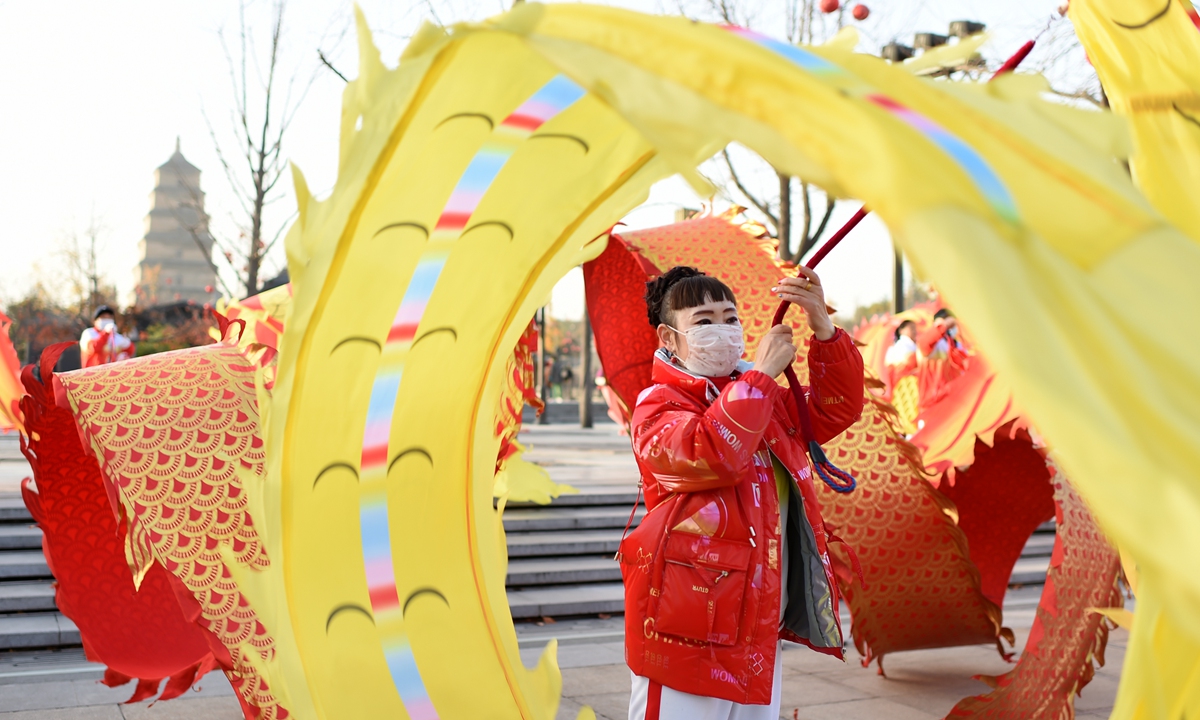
{"type": "Point", "coordinates": [703, 570]}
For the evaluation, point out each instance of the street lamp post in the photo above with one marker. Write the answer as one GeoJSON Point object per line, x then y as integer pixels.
{"type": "Point", "coordinates": [898, 283]}
{"type": "Point", "coordinates": [542, 381]}
{"type": "Point", "coordinates": [587, 381]}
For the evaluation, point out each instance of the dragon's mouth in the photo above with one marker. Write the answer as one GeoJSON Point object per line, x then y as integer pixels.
{"type": "Point", "coordinates": [1138, 26]}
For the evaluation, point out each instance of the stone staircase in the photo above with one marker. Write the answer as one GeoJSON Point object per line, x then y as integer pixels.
{"type": "Point", "coordinates": [560, 555]}
{"type": "Point", "coordinates": [28, 616]}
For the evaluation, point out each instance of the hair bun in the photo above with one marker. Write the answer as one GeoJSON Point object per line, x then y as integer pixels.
{"type": "Point", "coordinates": [656, 290]}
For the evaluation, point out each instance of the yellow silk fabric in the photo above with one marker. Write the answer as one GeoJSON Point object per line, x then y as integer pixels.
{"type": "Point", "coordinates": [1086, 306]}
{"type": "Point", "coordinates": [1071, 300]}
{"type": "Point", "coordinates": [1147, 54]}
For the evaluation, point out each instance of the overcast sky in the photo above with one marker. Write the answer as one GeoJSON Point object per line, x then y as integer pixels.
{"type": "Point", "coordinates": [94, 94]}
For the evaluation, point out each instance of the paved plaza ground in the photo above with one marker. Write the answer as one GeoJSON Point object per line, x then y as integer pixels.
{"type": "Point", "coordinates": [919, 685]}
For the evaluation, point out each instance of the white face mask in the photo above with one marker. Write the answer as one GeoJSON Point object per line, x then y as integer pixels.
{"type": "Point", "coordinates": [713, 350]}
{"type": "Point", "coordinates": [106, 325]}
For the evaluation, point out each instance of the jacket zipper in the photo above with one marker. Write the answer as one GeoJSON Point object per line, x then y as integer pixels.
{"type": "Point", "coordinates": [724, 573]}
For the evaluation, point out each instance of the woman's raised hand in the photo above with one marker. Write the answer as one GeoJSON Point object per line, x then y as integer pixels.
{"type": "Point", "coordinates": [805, 290]}
{"type": "Point", "coordinates": [776, 351]}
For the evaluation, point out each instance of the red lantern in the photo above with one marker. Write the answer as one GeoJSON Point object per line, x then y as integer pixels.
{"type": "Point", "coordinates": [828, 6]}
{"type": "Point", "coordinates": [860, 12]}
{"type": "Point", "coordinates": [208, 288]}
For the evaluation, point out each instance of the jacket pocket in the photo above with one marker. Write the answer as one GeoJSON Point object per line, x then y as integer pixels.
{"type": "Point", "coordinates": [703, 588]}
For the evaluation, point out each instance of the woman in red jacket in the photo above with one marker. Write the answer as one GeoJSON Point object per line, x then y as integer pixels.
{"type": "Point", "coordinates": [732, 556]}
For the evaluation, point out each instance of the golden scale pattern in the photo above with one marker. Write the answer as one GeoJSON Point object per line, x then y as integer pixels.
{"type": "Point", "coordinates": [922, 588]}
{"type": "Point", "coordinates": [1068, 639]}
{"type": "Point", "coordinates": [178, 432]}
{"type": "Point", "coordinates": [922, 591]}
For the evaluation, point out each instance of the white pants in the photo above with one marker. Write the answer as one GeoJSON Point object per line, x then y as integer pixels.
{"type": "Point", "coordinates": [677, 705]}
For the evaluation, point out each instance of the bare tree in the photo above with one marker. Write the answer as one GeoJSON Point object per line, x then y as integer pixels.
{"type": "Point", "coordinates": [191, 216]}
{"type": "Point", "coordinates": [1062, 59]}
{"type": "Point", "coordinates": [264, 106]}
{"type": "Point", "coordinates": [82, 285]}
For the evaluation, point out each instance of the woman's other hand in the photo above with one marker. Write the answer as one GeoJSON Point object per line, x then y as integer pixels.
{"type": "Point", "coordinates": [805, 290]}
{"type": "Point", "coordinates": [776, 351]}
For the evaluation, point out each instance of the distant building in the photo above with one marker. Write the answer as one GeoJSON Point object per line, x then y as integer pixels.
{"type": "Point", "coordinates": [176, 250]}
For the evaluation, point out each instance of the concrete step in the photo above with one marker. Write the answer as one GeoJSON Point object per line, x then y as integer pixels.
{"type": "Point", "coordinates": [1030, 571]}
{"type": "Point", "coordinates": [544, 544]}
{"type": "Point", "coordinates": [608, 597]}
{"type": "Point", "coordinates": [1039, 545]}
{"type": "Point", "coordinates": [27, 597]}
{"type": "Point", "coordinates": [563, 571]}
{"type": "Point", "coordinates": [566, 413]}
{"type": "Point", "coordinates": [567, 600]}
{"type": "Point", "coordinates": [37, 630]}
{"type": "Point", "coordinates": [12, 509]}
{"type": "Point", "coordinates": [23, 564]}
{"type": "Point", "coordinates": [569, 518]}
{"type": "Point", "coordinates": [616, 495]}
{"type": "Point", "coordinates": [20, 536]}
{"type": "Point", "coordinates": [10, 446]}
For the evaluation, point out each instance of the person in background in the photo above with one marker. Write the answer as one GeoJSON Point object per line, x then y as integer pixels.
{"type": "Point", "coordinates": [943, 358]}
{"type": "Point", "coordinates": [101, 343]}
{"type": "Point", "coordinates": [941, 337]}
{"type": "Point", "coordinates": [904, 348]}
{"type": "Point", "coordinates": [900, 373]}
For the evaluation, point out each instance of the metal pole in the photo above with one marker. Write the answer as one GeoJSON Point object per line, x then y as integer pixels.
{"type": "Point", "coordinates": [898, 283]}
{"type": "Point", "coordinates": [543, 381]}
{"type": "Point", "coordinates": [585, 387]}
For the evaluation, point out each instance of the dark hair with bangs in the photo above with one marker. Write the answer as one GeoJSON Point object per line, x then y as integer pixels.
{"type": "Point", "coordinates": [680, 288]}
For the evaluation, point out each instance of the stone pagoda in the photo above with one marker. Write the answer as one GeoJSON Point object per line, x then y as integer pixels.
{"type": "Point", "coordinates": [176, 250]}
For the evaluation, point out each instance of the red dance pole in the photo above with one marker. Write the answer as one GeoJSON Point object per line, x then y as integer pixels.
{"type": "Point", "coordinates": [1012, 63]}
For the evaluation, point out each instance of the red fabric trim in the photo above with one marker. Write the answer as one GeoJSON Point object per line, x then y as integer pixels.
{"type": "Point", "coordinates": [1001, 499]}
{"type": "Point", "coordinates": [145, 688]}
{"type": "Point", "coordinates": [615, 285]}
{"type": "Point", "coordinates": [654, 701]}
{"type": "Point", "coordinates": [113, 679]}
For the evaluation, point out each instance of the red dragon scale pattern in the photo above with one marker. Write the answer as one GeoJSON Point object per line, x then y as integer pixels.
{"type": "Point", "coordinates": [1067, 639]}
{"type": "Point", "coordinates": [178, 435]}
{"type": "Point", "coordinates": [138, 633]}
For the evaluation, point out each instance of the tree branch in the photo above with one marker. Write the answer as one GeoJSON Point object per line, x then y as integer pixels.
{"type": "Point", "coordinates": [785, 216]}
{"type": "Point", "coordinates": [758, 204]}
{"type": "Point", "coordinates": [804, 189]}
{"type": "Point", "coordinates": [279, 233]}
{"type": "Point", "coordinates": [1082, 95]}
{"type": "Point", "coordinates": [812, 241]}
